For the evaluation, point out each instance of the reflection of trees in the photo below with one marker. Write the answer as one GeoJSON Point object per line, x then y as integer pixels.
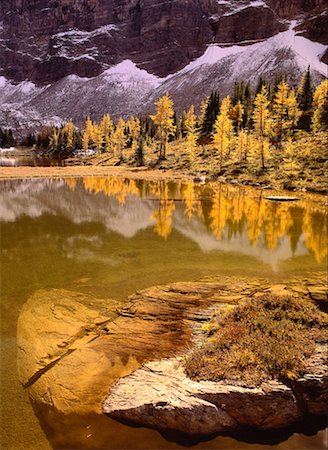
{"type": "Point", "coordinates": [111, 187]}
{"type": "Point", "coordinates": [315, 232]}
{"type": "Point", "coordinates": [219, 213]}
{"type": "Point", "coordinates": [191, 200]}
{"type": "Point", "coordinates": [71, 182]}
{"type": "Point", "coordinates": [163, 215]}
{"type": "Point", "coordinates": [234, 209]}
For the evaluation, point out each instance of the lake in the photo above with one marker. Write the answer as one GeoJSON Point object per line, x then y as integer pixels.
{"type": "Point", "coordinates": [110, 237]}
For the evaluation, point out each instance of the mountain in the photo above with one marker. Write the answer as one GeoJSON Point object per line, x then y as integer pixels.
{"type": "Point", "coordinates": [69, 58]}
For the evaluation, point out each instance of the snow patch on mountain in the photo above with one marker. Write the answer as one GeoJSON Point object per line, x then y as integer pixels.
{"type": "Point", "coordinates": [128, 71]}
{"type": "Point", "coordinates": [76, 36]}
{"type": "Point", "coordinates": [125, 89]}
{"type": "Point", "coordinates": [212, 55]}
{"type": "Point", "coordinates": [306, 51]}
{"type": "Point", "coordinates": [17, 93]}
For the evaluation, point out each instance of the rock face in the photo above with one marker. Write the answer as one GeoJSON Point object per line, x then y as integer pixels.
{"type": "Point", "coordinates": [45, 40]}
{"type": "Point", "coordinates": [62, 53]}
{"type": "Point", "coordinates": [159, 395]}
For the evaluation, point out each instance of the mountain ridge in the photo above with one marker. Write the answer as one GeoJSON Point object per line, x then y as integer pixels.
{"type": "Point", "coordinates": [223, 41]}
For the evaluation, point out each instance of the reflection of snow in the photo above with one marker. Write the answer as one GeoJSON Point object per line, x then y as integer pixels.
{"type": "Point", "coordinates": [33, 198]}
{"type": "Point", "coordinates": [196, 231]}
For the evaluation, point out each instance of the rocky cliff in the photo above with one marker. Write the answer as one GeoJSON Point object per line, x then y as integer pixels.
{"type": "Point", "coordinates": [45, 41]}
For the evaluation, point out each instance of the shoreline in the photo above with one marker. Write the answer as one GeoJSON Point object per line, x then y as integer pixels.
{"type": "Point", "coordinates": [8, 173]}
{"type": "Point", "coordinates": [21, 172]}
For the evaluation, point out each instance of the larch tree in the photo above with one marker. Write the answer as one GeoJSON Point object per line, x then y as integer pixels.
{"type": "Point", "coordinates": [119, 139]}
{"type": "Point", "coordinates": [68, 132]}
{"type": "Point", "coordinates": [134, 129]}
{"type": "Point", "coordinates": [242, 145]}
{"type": "Point", "coordinates": [98, 137]}
{"type": "Point", "coordinates": [262, 126]}
{"type": "Point", "coordinates": [87, 134]}
{"type": "Point", "coordinates": [237, 114]}
{"type": "Point", "coordinates": [107, 128]}
{"type": "Point", "coordinates": [192, 132]}
{"type": "Point", "coordinates": [320, 114]}
{"type": "Point", "coordinates": [285, 112]}
{"type": "Point", "coordinates": [201, 117]}
{"type": "Point", "coordinates": [163, 118]}
{"type": "Point", "coordinates": [223, 131]}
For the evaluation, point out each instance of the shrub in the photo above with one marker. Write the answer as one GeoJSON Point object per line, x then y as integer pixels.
{"type": "Point", "coordinates": [264, 338]}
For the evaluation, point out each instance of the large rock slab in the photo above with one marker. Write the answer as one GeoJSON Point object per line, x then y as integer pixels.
{"type": "Point", "coordinates": [161, 396]}
{"type": "Point", "coordinates": [72, 347]}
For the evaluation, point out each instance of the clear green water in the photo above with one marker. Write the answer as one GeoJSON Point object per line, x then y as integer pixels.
{"type": "Point", "coordinates": [111, 237]}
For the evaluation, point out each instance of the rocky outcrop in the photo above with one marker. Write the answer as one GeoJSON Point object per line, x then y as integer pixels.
{"type": "Point", "coordinates": [72, 347]}
{"type": "Point", "coordinates": [44, 40]}
{"type": "Point", "coordinates": [161, 396]}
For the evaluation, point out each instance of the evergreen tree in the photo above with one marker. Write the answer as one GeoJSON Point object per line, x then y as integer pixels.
{"type": "Point", "coordinates": [305, 100]}
{"type": "Point", "coordinates": [7, 139]}
{"type": "Point", "coordinates": [320, 115]}
{"type": "Point", "coordinates": [163, 118]}
{"type": "Point", "coordinates": [139, 152]}
{"type": "Point", "coordinates": [211, 113]}
{"type": "Point", "coordinates": [261, 82]}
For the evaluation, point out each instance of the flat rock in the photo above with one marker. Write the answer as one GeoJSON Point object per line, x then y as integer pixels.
{"type": "Point", "coordinates": [72, 347]}
{"type": "Point", "coordinates": [161, 396]}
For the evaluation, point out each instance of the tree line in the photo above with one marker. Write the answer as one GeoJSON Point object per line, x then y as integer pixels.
{"type": "Point", "coordinates": [242, 127]}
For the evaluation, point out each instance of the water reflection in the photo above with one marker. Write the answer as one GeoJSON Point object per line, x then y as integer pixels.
{"type": "Point", "coordinates": [110, 237]}
{"type": "Point", "coordinates": [220, 217]}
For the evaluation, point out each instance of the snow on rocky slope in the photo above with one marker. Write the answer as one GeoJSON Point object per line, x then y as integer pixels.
{"type": "Point", "coordinates": [126, 89]}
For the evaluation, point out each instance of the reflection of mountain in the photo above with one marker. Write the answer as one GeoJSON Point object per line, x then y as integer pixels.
{"type": "Point", "coordinates": [225, 218]}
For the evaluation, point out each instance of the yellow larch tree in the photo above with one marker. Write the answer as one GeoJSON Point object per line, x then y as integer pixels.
{"type": "Point", "coordinates": [223, 131]}
{"type": "Point", "coordinates": [237, 114]}
{"type": "Point", "coordinates": [68, 132]}
{"type": "Point", "coordinates": [262, 126]}
{"type": "Point", "coordinates": [285, 112]}
{"type": "Point", "coordinates": [164, 119]}
{"type": "Point", "coordinates": [87, 134]}
{"type": "Point", "coordinates": [98, 137]}
{"type": "Point", "coordinates": [107, 128]}
{"type": "Point", "coordinates": [54, 139]}
{"type": "Point", "coordinates": [243, 145]}
{"type": "Point", "coordinates": [320, 115]}
{"type": "Point", "coordinates": [192, 132]}
{"type": "Point", "coordinates": [119, 138]}
{"type": "Point", "coordinates": [134, 128]}
{"type": "Point", "coordinates": [203, 108]}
